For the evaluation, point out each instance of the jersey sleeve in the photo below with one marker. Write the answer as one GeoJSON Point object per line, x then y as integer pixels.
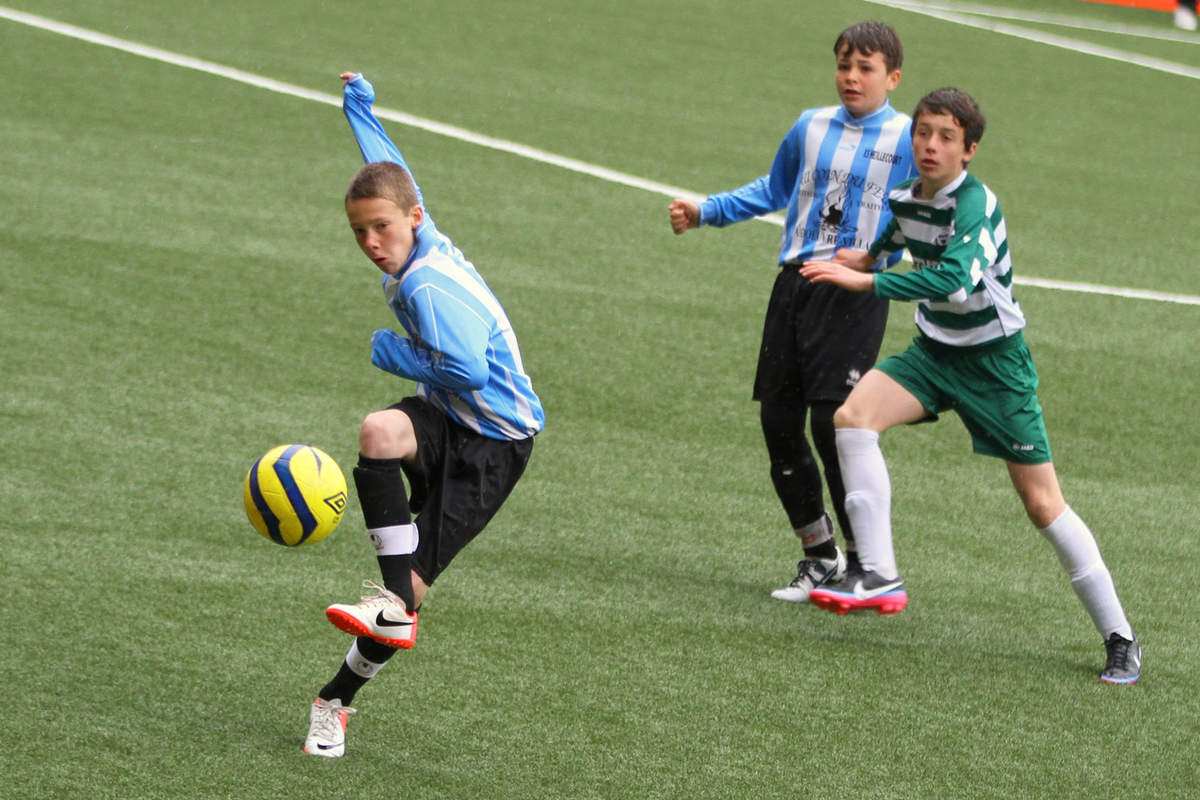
{"type": "Point", "coordinates": [373, 141]}
{"type": "Point", "coordinates": [889, 242]}
{"type": "Point", "coordinates": [452, 352]}
{"type": "Point", "coordinates": [769, 193]}
{"type": "Point", "coordinates": [970, 251]}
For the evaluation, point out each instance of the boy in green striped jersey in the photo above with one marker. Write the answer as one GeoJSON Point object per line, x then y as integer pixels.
{"type": "Point", "coordinates": [969, 356]}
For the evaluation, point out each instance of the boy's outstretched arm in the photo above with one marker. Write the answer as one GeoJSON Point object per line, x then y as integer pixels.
{"type": "Point", "coordinates": [849, 269]}
{"type": "Point", "coordinates": [373, 142]}
{"type": "Point", "coordinates": [860, 260]}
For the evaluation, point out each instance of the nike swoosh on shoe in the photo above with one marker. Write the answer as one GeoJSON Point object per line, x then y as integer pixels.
{"type": "Point", "coordinates": [867, 594]}
{"type": "Point", "coordinates": [380, 619]}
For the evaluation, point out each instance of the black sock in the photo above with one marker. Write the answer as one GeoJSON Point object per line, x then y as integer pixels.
{"type": "Point", "coordinates": [826, 550]}
{"type": "Point", "coordinates": [344, 686]}
{"type": "Point", "coordinates": [381, 494]}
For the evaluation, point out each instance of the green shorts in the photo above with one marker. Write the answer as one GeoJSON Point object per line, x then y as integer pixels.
{"type": "Point", "coordinates": [992, 387]}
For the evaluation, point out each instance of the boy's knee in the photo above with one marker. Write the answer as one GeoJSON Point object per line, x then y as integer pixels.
{"type": "Point", "coordinates": [847, 417]}
{"type": "Point", "coordinates": [1040, 493]}
{"type": "Point", "coordinates": [1042, 504]}
{"type": "Point", "coordinates": [385, 434]}
{"type": "Point", "coordinates": [1043, 508]}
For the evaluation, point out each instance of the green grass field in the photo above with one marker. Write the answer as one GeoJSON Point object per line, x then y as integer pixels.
{"type": "Point", "coordinates": [180, 292]}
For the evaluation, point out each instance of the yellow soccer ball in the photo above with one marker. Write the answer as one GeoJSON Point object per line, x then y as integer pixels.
{"type": "Point", "coordinates": [295, 494]}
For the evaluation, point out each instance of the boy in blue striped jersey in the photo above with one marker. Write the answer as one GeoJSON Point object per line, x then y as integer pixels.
{"type": "Point", "coordinates": [462, 441]}
{"type": "Point", "coordinates": [832, 172]}
{"type": "Point", "coordinates": [969, 356]}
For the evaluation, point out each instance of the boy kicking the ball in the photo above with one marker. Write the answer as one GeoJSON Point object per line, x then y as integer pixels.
{"type": "Point", "coordinates": [462, 441]}
{"type": "Point", "coordinates": [969, 356]}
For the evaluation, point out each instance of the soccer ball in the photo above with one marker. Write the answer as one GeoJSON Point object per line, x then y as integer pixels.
{"type": "Point", "coordinates": [295, 494]}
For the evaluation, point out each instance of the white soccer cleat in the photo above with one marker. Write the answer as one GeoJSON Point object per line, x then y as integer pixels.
{"type": "Point", "coordinates": [327, 728]}
{"type": "Point", "coordinates": [383, 617]}
{"type": "Point", "coordinates": [811, 573]}
{"type": "Point", "coordinates": [1185, 18]}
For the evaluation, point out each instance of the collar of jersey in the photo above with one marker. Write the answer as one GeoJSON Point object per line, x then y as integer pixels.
{"type": "Point", "coordinates": [950, 187]}
{"type": "Point", "coordinates": [883, 111]}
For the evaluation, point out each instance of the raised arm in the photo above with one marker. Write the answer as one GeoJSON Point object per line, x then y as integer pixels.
{"type": "Point", "coordinates": [373, 142]}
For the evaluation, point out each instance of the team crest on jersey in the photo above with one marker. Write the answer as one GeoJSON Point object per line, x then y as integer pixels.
{"type": "Point", "coordinates": [833, 231]}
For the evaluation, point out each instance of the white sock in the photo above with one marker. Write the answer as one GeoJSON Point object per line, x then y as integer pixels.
{"type": "Point", "coordinates": [1090, 578]}
{"type": "Point", "coordinates": [868, 499]}
{"type": "Point", "coordinates": [395, 540]}
{"type": "Point", "coordinates": [359, 664]}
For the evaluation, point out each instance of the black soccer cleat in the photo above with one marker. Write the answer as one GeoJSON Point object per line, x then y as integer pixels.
{"type": "Point", "coordinates": [861, 590]}
{"type": "Point", "coordinates": [1124, 664]}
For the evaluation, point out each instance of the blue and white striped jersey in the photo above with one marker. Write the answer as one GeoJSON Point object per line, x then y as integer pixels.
{"type": "Point", "coordinates": [464, 355]}
{"type": "Point", "coordinates": [833, 172]}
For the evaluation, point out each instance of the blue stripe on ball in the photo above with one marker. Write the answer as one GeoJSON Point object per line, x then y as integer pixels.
{"type": "Point", "coordinates": [264, 508]}
{"type": "Point", "coordinates": [308, 523]}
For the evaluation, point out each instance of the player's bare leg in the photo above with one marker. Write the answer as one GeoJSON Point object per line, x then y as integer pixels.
{"type": "Point", "coordinates": [878, 403]}
{"type": "Point", "coordinates": [1039, 490]}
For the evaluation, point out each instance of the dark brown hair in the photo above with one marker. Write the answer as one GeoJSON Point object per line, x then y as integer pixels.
{"type": "Point", "coordinates": [872, 37]}
{"type": "Point", "coordinates": [957, 104]}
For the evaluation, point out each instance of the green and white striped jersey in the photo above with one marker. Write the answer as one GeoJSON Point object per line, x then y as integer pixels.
{"type": "Point", "coordinates": [963, 273]}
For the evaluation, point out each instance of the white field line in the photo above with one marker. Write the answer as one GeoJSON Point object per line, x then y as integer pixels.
{"type": "Point", "coordinates": [1062, 20]}
{"type": "Point", "coordinates": [963, 17]}
{"type": "Point", "coordinates": [462, 134]}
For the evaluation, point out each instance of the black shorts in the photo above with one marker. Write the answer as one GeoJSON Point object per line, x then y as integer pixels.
{"type": "Point", "coordinates": [818, 340]}
{"type": "Point", "coordinates": [460, 483]}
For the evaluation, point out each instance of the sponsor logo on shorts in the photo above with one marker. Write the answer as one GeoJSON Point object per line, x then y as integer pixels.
{"type": "Point", "coordinates": [1024, 448]}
